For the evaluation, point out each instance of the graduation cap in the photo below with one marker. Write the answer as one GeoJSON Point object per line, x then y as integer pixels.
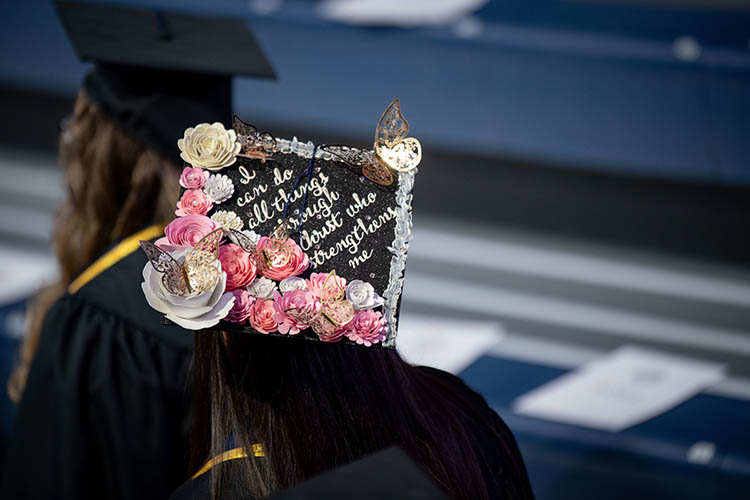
{"type": "Point", "coordinates": [405, 481]}
{"type": "Point", "coordinates": [158, 72]}
{"type": "Point", "coordinates": [280, 237]}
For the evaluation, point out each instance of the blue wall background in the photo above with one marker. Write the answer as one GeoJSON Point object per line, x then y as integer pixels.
{"type": "Point", "coordinates": [583, 85]}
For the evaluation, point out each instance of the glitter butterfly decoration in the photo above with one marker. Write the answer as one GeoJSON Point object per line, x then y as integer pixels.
{"type": "Point", "coordinates": [242, 240]}
{"type": "Point", "coordinates": [393, 151]}
{"type": "Point", "coordinates": [276, 250]}
{"type": "Point", "coordinates": [196, 275]}
{"type": "Point", "coordinates": [335, 311]}
{"type": "Point", "coordinates": [255, 145]}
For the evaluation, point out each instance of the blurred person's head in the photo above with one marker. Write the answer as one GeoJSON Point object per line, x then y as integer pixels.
{"type": "Point", "coordinates": [314, 406]}
{"type": "Point", "coordinates": [115, 185]}
{"type": "Point", "coordinates": [150, 81]}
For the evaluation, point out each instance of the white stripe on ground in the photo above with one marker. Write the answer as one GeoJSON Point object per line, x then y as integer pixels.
{"type": "Point", "coordinates": [466, 296]}
{"type": "Point", "coordinates": [493, 254]}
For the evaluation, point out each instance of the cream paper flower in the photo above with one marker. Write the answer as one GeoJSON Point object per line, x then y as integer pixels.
{"type": "Point", "coordinates": [227, 219]}
{"type": "Point", "coordinates": [210, 146]}
{"type": "Point", "coordinates": [193, 311]}
{"type": "Point", "coordinates": [218, 188]}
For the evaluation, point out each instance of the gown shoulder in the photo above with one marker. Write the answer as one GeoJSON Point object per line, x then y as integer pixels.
{"type": "Point", "coordinates": [106, 404]}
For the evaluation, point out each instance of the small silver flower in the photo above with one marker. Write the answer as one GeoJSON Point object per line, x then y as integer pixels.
{"type": "Point", "coordinates": [262, 288]}
{"type": "Point", "coordinates": [292, 283]}
{"type": "Point", "coordinates": [218, 188]}
{"type": "Point", "coordinates": [362, 295]}
{"type": "Point", "coordinates": [227, 219]}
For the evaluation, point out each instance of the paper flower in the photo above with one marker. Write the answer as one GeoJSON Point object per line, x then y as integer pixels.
{"type": "Point", "coordinates": [336, 337]}
{"type": "Point", "coordinates": [218, 188]}
{"type": "Point", "coordinates": [185, 232]}
{"type": "Point", "coordinates": [301, 300]}
{"type": "Point", "coordinates": [294, 265]}
{"type": "Point", "coordinates": [262, 288]}
{"type": "Point", "coordinates": [210, 146]}
{"type": "Point", "coordinates": [317, 280]}
{"type": "Point", "coordinates": [362, 295]}
{"type": "Point", "coordinates": [193, 201]}
{"type": "Point", "coordinates": [238, 266]}
{"type": "Point", "coordinates": [243, 305]}
{"type": "Point", "coordinates": [368, 327]}
{"type": "Point", "coordinates": [227, 219]}
{"type": "Point", "coordinates": [292, 283]}
{"type": "Point", "coordinates": [261, 316]}
{"type": "Point", "coordinates": [193, 177]}
{"type": "Point", "coordinates": [194, 311]}
{"type": "Point", "coordinates": [254, 237]}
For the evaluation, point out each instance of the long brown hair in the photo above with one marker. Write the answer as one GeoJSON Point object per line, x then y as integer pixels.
{"type": "Point", "coordinates": [115, 186]}
{"type": "Point", "coordinates": [313, 406]}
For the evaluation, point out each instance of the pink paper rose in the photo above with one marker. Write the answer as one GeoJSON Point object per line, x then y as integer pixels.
{"type": "Point", "coordinates": [295, 264]}
{"type": "Point", "coordinates": [193, 177]}
{"type": "Point", "coordinates": [368, 327]}
{"type": "Point", "coordinates": [336, 337]}
{"type": "Point", "coordinates": [261, 316]}
{"type": "Point", "coordinates": [301, 300]}
{"type": "Point", "coordinates": [243, 306]}
{"type": "Point", "coordinates": [238, 265]}
{"type": "Point", "coordinates": [193, 201]}
{"type": "Point", "coordinates": [185, 232]}
{"type": "Point", "coordinates": [317, 280]}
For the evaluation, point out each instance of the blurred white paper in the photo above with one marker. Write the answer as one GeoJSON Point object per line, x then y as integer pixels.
{"type": "Point", "coordinates": [448, 344]}
{"type": "Point", "coordinates": [398, 12]}
{"type": "Point", "coordinates": [619, 390]}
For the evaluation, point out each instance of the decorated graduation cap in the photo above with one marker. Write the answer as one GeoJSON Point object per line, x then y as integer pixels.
{"type": "Point", "coordinates": [279, 237]}
{"type": "Point", "coordinates": [158, 72]}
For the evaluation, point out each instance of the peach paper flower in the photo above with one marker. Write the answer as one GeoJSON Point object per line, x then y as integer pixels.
{"type": "Point", "coordinates": [193, 201]}
{"type": "Point", "coordinates": [185, 232]}
{"type": "Point", "coordinates": [368, 327]}
{"type": "Point", "coordinates": [301, 300]}
{"type": "Point", "coordinates": [296, 264]}
{"type": "Point", "coordinates": [316, 281]}
{"type": "Point", "coordinates": [193, 177]}
{"type": "Point", "coordinates": [242, 308]}
{"type": "Point", "coordinates": [261, 316]}
{"type": "Point", "coordinates": [238, 265]}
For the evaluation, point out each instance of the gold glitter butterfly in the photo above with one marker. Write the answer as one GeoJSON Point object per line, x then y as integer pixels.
{"type": "Point", "coordinates": [335, 311]}
{"type": "Point", "coordinates": [255, 144]}
{"type": "Point", "coordinates": [393, 151]}
{"type": "Point", "coordinates": [243, 241]}
{"type": "Point", "coordinates": [197, 274]}
{"type": "Point", "coordinates": [276, 250]}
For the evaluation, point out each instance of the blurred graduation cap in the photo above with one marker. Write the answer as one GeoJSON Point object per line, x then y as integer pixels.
{"type": "Point", "coordinates": [157, 72]}
{"type": "Point", "coordinates": [389, 473]}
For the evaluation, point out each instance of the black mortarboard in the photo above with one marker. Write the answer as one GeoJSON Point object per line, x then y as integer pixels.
{"type": "Point", "coordinates": [387, 474]}
{"type": "Point", "coordinates": [157, 72]}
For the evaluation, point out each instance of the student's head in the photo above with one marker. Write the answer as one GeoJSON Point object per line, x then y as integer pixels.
{"type": "Point", "coordinates": [314, 406]}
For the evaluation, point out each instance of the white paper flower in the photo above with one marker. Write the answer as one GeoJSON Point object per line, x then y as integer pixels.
{"type": "Point", "coordinates": [262, 288]}
{"type": "Point", "coordinates": [210, 146]}
{"type": "Point", "coordinates": [227, 219]}
{"type": "Point", "coordinates": [254, 237]}
{"type": "Point", "coordinates": [362, 295]}
{"type": "Point", "coordinates": [194, 311]}
{"type": "Point", "coordinates": [218, 188]}
{"type": "Point", "coordinates": [292, 283]}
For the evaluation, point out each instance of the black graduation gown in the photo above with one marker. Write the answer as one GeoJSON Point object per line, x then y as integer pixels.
{"type": "Point", "coordinates": [105, 410]}
{"type": "Point", "coordinates": [501, 458]}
